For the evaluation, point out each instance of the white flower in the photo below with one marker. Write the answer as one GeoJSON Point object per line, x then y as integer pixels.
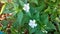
{"type": "Point", "coordinates": [32, 23]}
{"type": "Point", "coordinates": [26, 7]}
{"type": "Point", "coordinates": [22, 32]}
{"type": "Point", "coordinates": [10, 13]}
{"type": "Point", "coordinates": [44, 31]}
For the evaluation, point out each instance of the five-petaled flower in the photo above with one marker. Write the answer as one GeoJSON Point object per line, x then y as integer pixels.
{"type": "Point", "coordinates": [26, 7]}
{"type": "Point", "coordinates": [32, 23]}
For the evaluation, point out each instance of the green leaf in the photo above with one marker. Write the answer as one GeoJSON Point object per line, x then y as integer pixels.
{"type": "Point", "coordinates": [53, 0]}
{"type": "Point", "coordinates": [21, 2]}
{"type": "Point", "coordinates": [28, 14]}
{"type": "Point", "coordinates": [34, 1]}
{"type": "Point", "coordinates": [39, 32]}
{"type": "Point", "coordinates": [50, 26]}
{"type": "Point", "coordinates": [36, 16]}
{"type": "Point", "coordinates": [20, 17]}
{"type": "Point", "coordinates": [32, 30]}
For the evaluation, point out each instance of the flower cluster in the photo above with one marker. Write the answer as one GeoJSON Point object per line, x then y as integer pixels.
{"type": "Point", "coordinates": [31, 22]}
